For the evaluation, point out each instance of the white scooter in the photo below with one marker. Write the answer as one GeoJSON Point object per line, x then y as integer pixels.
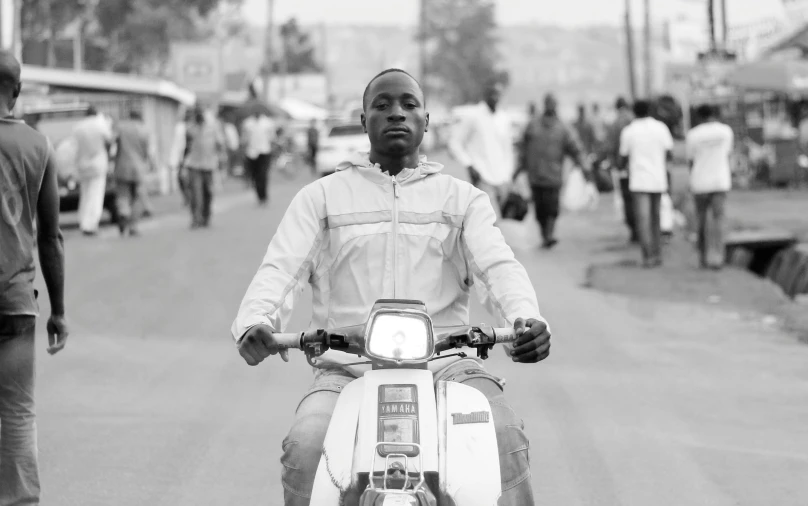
{"type": "Point", "coordinates": [394, 439]}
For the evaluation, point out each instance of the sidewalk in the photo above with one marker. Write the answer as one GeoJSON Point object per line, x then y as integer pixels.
{"type": "Point", "coordinates": [614, 266]}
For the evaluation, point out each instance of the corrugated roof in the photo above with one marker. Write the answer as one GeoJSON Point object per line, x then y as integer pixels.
{"type": "Point", "coordinates": [107, 81]}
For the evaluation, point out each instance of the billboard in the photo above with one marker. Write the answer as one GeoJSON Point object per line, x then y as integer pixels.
{"type": "Point", "coordinates": [198, 67]}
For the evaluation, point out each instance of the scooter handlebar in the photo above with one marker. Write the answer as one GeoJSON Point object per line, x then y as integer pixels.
{"type": "Point", "coordinates": [504, 335]}
{"type": "Point", "coordinates": [288, 339]}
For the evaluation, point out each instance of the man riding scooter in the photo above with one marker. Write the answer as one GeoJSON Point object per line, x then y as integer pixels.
{"type": "Point", "coordinates": [388, 224]}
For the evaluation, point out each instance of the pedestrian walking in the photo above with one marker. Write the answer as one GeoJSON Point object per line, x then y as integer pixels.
{"type": "Point", "coordinates": [709, 146]}
{"type": "Point", "coordinates": [545, 145]}
{"type": "Point", "coordinates": [29, 220]}
{"type": "Point", "coordinates": [645, 148]}
{"type": "Point", "coordinates": [134, 160]}
{"type": "Point", "coordinates": [586, 132]}
{"type": "Point", "coordinates": [598, 127]}
{"type": "Point", "coordinates": [313, 138]}
{"type": "Point", "coordinates": [483, 143]}
{"type": "Point", "coordinates": [94, 138]}
{"type": "Point", "coordinates": [258, 130]}
{"type": "Point", "coordinates": [206, 153]}
{"type": "Point", "coordinates": [612, 150]}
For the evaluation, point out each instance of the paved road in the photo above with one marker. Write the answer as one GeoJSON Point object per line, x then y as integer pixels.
{"type": "Point", "coordinates": [640, 403]}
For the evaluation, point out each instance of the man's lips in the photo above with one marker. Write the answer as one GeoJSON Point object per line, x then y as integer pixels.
{"type": "Point", "coordinates": [397, 130]}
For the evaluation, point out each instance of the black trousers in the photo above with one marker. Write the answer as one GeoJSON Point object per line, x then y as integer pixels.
{"type": "Point", "coordinates": [546, 203]}
{"type": "Point", "coordinates": [259, 168]}
{"type": "Point", "coordinates": [628, 209]}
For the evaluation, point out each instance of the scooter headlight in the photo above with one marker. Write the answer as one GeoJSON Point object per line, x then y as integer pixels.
{"type": "Point", "coordinates": [401, 336]}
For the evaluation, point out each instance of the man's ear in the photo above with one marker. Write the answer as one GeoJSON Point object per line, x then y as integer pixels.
{"type": "Point", "coordinates": [426, 124]}
{"type": "Point", "coordinates": [364, 124]}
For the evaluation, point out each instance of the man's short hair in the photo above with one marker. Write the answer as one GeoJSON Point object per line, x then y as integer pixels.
{"type": "Point", "coordinates": [620, 103]}
{"type": "Point", "coordinates": [9, 72]}
{"type": "Point", "coordinates": [383, 72]}
{"type": "Point", "coordinates": [135, 115]}
{"type": "Point", "coordinates": [705, 111]}
{"type": "Point", "coordinates": [642, 108]}
{"type": "Point", "coordinates": [92, 111]}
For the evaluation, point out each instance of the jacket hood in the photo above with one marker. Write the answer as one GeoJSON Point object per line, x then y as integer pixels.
{"type": "Point", "coordinates": [361, 162]}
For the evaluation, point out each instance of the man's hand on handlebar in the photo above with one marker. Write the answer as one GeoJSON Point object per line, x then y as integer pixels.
{"type": "Point", "coordinates": [532, 341]}
{"type": "Point", "coordinates": [258, 343]}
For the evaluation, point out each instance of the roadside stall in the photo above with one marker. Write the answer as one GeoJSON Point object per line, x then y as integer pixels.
{"type": "Point", "coordinates": [161, 103]}
{"type": "Point", "coordinates": [773, 92]}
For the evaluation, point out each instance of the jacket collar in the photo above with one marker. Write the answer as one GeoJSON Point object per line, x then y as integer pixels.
{"type": "Point", "coordinates": [372, 171]}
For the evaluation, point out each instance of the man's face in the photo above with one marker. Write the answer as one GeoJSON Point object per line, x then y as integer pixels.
{"type": "Point", "coordinates": [395, 119]}
{"type": "Point", "coordinates": [550, 104]}
{"type": "Point", "coordinates": [493, 94]}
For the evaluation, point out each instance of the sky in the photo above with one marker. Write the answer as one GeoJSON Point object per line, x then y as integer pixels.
{"type": "Point", "coordinates": [570, 13]}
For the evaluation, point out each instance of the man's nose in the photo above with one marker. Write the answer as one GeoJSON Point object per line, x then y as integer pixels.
{"type": "Point", "coordinates": [396, 113]}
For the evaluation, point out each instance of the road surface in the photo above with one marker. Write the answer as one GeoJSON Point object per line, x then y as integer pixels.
{"type": "Point", "coordinates": [640, 402]}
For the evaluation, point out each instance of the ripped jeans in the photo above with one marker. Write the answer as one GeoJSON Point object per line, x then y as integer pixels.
{"type": "Point", "coordinates": [303, 445]}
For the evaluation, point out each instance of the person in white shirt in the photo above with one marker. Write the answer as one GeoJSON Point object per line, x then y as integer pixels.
{"type": "Point", "coordinates": [483, 143]}
{"type": "Point", "coordinates": [258, 131]}
{"type": "Point", "coordinates": [94, 138]}
{"type": "Point", "coordinates": [709, 146]}
{"type": "Point", "coordinates": [645, 147]}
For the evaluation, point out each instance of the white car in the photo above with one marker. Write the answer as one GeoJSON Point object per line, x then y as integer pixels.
{"type": "Point", "coordinates": [341, 142]}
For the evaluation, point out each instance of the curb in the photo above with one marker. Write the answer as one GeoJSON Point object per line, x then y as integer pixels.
{"type": "Point", "coordinates": [789, 270]}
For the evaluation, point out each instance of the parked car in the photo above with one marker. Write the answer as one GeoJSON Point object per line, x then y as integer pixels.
{"type": "Point", "coordinates": [341, 142]}
{"type": "Point", "coordinates": [56, 122]}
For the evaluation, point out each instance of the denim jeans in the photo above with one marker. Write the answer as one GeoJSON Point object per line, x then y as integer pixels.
{"type": "Point", "coordinates": [19, 471]}
{"type": "Point", "coordinates": [710, 213]}
{"type": "Point", "coordinates": [303, 445]}
{"type": "Point", "coordinates": [201, 195]}
{"type": "Point", "coordinates": [646, 209]}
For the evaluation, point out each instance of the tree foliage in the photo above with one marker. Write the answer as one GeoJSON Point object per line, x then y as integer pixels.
{"type": "Point", "coordinates": [298, 53]}
{"type": "Point", "coordinates": [139, 32]}
{"type": "Point", "coordinates": [134, 35]}
{"type": "Point", "coordinates": [461, 48]}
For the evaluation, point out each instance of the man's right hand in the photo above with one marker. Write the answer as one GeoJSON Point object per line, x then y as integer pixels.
{"type": "Point", "coordinates": [57, 334]}
{"type": "Point", "coordinates": [258, 343]}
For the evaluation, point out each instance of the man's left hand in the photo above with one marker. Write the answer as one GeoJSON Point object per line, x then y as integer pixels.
{"type": "Point", "coordinates": [532, 341]}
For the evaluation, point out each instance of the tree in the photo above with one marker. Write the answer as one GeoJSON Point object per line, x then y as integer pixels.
{"type": "Point", "coordinates": [139, 32]}
{"type": "Point", "coordinates": [461, 46]}
{"type": "Point", "coordinates": [43, 20]}
{"type": "Point", "coordinates": [298, 50]}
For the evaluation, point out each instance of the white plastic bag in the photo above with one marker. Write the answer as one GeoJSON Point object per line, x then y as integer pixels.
{"type": "Point", "coordinates": [577, 194]}
{"type": "Point", "coordinates": [573, 195]}
{"type": "Point", "coordinates": [666, 215]}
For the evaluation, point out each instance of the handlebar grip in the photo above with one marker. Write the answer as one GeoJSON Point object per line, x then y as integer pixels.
{"type": "Point", "coordinates": [288, 339]}
{"type": "Point", "coordinates": [504, 335]}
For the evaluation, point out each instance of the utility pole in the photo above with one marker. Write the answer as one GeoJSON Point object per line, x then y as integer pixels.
{"type": "Point", "coordinates": [724, 24]}
{"type": "Point", "coordinates": [268, 46]}
{"type": "Point", "coordinates": [632, 77]}
{"type": "Point", "coordinates": [711, 21]}
{"type": "Point", "coordinates": [648, 65]}
{"type": "Point", "coordinates": [422, 45]}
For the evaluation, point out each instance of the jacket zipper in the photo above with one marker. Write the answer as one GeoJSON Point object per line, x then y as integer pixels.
{"type": "Point", "coordinates": [395, 233]}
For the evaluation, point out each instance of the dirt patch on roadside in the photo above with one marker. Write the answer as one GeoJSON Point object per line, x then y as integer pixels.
{"type": "Point", "coordinates": [680, 280]}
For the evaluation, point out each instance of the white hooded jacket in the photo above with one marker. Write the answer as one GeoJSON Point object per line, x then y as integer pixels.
{"type": "Point", "coordinates": [361, 235]}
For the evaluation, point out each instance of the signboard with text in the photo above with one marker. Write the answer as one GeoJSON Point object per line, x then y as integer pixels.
{"type": "Point", "coordinates": [198, 67]}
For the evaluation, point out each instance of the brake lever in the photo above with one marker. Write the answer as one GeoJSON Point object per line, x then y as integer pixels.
{"type": "Point", "coordinates": [482, 338]}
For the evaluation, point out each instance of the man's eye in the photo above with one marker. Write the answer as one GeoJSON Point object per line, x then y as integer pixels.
{"type": "Point", "coordinates": [381, 106]}
{"type": "Point", "coordinates": [410, 105]}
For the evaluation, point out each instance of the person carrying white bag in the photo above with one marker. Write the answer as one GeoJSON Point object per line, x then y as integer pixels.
{"type": "Point", "coordinates": [579, 194]}
{"type": "Point", "coordinates": [545, 145]}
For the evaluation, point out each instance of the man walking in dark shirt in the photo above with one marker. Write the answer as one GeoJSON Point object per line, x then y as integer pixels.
{"type": "Point", "coordinates": [28, 192]}
{"type": "Point", "coordinates": [547, 141]}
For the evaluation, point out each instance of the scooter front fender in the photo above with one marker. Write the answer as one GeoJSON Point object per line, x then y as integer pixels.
{"type": "Point", "coordinates": [467, 441]}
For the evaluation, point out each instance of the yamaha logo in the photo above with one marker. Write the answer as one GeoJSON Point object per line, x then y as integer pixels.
{"type": "Point", "coordinates": [399, 408]}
